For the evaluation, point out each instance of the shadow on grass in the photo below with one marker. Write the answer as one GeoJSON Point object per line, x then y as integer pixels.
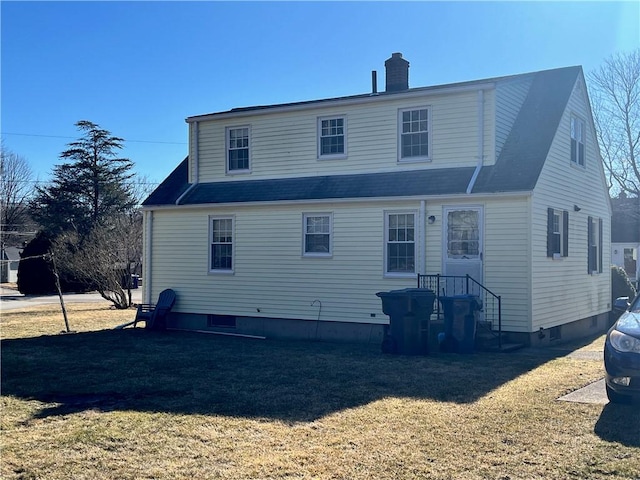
{"type": "Point", "coordinates": [619, 423]}
{"type": "Point", "coordinates": [181, 372]}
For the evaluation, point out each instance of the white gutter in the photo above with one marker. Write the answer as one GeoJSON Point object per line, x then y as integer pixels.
{"type": "Point", "coordinates": [146, 279]}
{"type": "Point", "coordinates": [472, 182]}
{"type": "Point", "coordinates": [409, 198]}
{"type": "Point", "coordinates": [196, 161]}
{"type": "Point", "coordinates": [422, 266]}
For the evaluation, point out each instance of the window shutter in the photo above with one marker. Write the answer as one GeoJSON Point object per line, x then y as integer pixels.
{"type": "Point", "coordinates": [589, 250]}
{"type": "Point", "coordinates": [549, 232]}
{"type": "Point", "coordinates": [600, 245]}
{"type": "Point", "coordinates": [565, 233]}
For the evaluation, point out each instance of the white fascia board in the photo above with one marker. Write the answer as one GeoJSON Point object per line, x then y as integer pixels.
{"type": "Point", "coordinates": [381, 97]}
{"type": "Point", "coordinates": [416, 198]}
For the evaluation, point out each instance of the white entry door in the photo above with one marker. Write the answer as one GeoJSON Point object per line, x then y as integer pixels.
{"type": "Point", "coordinates": [462, 241]}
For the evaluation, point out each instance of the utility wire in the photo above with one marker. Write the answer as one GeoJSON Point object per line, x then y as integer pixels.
{"type": "Point", "coordinates": [64, 136]}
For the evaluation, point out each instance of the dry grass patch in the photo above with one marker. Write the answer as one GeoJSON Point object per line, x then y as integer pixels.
{"type": "Point", "coordinates": [133, 404]}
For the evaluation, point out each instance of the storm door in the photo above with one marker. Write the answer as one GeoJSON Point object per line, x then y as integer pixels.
{"type": "Point", "coordinates": [462, 242]}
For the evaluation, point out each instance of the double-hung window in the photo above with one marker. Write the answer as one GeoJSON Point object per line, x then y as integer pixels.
{"type": "Point", "coordinates": [594, 245]}
{"type": "Point", "coordinates": [400, 240]}
{"type": "Point", "coordinates": [577, 141]}
{"type": "Point", "coordinates": [331, 137]}
{"type": "Point", "coordinates": [414, 129]}
{"type": "Point", "coordinates": [238, 149]}
{"type": "Point", "coordinates": [317, 234]}
{"type": "Point", "coordinates": [221, 254]}
{"type": "Point", "coordinates": [557, 233]}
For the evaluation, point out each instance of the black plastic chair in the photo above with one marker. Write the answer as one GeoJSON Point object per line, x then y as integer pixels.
{"type": "Point", "coordinates": [155, 315]}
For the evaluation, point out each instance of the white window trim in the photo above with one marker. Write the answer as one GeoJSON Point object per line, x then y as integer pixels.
{"type": "Point", "coordinates": [423, 158]}
{"type": "Point", "coordinates": [386, 273]}
{"type": "Point", "coordinates": [575, 164]}
{"type": "Point", "coordinates": [306, 215]}
{"type": "Point", "coordinates": [335, 156]}
{"type": "Point", "coordinates": [219, 271]}
{"type": "Point", "coordinates": [226, 151]}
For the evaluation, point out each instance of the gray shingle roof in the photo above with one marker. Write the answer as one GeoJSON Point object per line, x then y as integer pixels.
{"type": "Point", "coordinates": [517, 168]}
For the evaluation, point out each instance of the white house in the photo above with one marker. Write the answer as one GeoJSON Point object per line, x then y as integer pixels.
{"type": "Point", "coordinates": [285, 220]}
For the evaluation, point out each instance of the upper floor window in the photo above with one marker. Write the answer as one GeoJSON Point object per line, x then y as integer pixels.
{"type": "Point", "coordinates": [414, 134]}
{"type": "Point", "coordinates": [331, 137]}
{"type": "Point", "coordinates": [557, 233]}
{"type": "Point", "coordinates": [577, 141]}
{"type": "Point", "coordinates": [594, 245]}
{"type": "Point", "coordinates": [221, 254]}
{"type": "Point", "coordinates": [238, 150]}
{"type": "Point", "coordinates": [317, 234]}
{"type": "Point", "coordinates": [400, 251]}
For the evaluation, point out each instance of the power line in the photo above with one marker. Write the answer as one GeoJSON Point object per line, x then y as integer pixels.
{"type": "Point", "coordinates": [64, 136]}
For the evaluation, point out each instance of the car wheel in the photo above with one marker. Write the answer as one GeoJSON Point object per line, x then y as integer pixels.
{"type": "Point", "coordinates": [615, 397]}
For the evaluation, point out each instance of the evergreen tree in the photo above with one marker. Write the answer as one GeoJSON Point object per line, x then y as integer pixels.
{"type": "Point", "coordinates": [89, 188]}
{"type": "Point", "coordinates": [82, 210]}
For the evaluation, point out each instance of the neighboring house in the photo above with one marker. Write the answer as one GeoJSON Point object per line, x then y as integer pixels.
{"type": "Point", "coordinates": [285, 220]}
{"type": "Point", "coordinates": [625, 236]}
{"type": "Point", "coordinates": [9, 261]}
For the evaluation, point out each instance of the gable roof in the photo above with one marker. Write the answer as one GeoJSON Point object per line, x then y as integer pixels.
{"type": "Point", "coordinates": [516, 170]}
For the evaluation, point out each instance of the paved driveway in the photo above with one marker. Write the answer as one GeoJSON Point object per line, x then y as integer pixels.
{"type": "Point", "coordinates": [11, 299]}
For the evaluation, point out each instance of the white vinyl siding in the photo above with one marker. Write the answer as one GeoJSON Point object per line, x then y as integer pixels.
{"type": "Point", "coordinates": [285, 144]}
{"type": "Point", "coordinates": [559, 288]}
{"type": "Point", "coordinates": [505, 253]}
{"type": "Point", "coordinates": [270, 274]}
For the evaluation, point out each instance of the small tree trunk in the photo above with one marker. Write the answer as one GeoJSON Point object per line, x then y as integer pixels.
{"type": "Point", "coordinates": [59, 289]}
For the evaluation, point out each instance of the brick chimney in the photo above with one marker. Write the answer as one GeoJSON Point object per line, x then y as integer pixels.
{"type": "Point", "coordinates": [397, 73]}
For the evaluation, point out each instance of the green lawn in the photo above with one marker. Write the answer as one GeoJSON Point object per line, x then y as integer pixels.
{"type": "Point", "coordinates": [132, 404]}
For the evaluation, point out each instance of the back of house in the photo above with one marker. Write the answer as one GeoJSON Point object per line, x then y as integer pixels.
{"type": "Point", "coordinates": [286, 220]}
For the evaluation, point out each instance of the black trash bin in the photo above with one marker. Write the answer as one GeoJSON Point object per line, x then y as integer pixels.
{"type": "Point", "coordinates": [409, 313]}
{"type": "Point", "coordinates": [460, 319]}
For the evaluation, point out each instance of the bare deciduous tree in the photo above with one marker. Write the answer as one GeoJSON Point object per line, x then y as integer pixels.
{"type": "Point", "coordinates": [16, 188]}
{"type": "Point", "coordinates": [106, 258]}
{"type": "Point", "coordinates": [615, 95]}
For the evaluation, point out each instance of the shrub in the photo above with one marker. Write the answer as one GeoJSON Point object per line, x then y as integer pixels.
{"type": "Point", "coordinates": [621, 286]}
{"type": "Point", "coordinates": [35, 273]}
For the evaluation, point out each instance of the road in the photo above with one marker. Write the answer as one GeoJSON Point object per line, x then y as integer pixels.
{"type": "Point", "coordinates": [11, 299]}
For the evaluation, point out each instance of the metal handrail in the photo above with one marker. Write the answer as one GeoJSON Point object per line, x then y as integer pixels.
{"type": "Point", "coordinates": [444, 285]}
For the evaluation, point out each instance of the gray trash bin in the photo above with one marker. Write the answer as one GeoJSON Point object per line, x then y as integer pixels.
{"type": "Point", "coordinates": [460, 319]}
{"type": "Point", "coordinates": [409, 313]}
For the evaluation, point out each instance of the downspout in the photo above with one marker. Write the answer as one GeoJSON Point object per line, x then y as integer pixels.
{"type": "Point", "coordinates": [474, 177]}
{"type": "Point", "coordinates": [423, 239]}
{"type": "Point", "coordinates": [147, 260]}
{"type": "Point", "coordinates": [196, 161]}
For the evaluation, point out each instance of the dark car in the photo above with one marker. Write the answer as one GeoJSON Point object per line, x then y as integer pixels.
{"type": "Point", "coordinates": [622, 354]}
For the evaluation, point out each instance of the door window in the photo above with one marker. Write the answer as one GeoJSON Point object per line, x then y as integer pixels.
{"type": "Point", "coordinates": [463, 234]}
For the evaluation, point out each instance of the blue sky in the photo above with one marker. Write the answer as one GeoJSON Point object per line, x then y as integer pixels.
{"type": "Point", "coordinates": [138, 69]}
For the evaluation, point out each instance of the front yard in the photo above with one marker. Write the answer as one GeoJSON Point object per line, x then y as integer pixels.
{"type": "Point", "coordinates": [132, 404]}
